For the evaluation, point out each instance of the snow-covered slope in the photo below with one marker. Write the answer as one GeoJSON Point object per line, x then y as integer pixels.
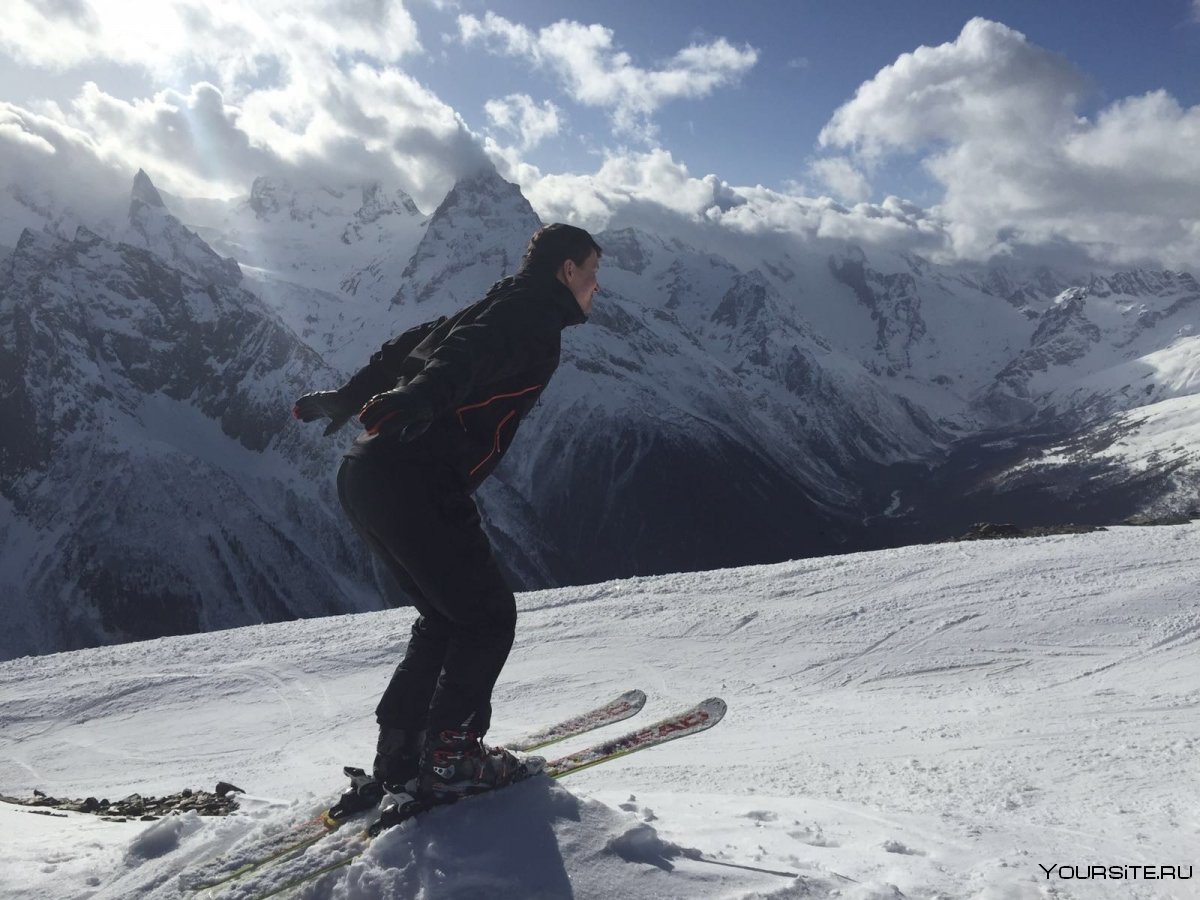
{"type": "Point", "coordinates": [930, 722]}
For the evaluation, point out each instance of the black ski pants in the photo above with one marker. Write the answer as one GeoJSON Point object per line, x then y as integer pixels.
{"type": "Point", "coordinates": [421, 521]}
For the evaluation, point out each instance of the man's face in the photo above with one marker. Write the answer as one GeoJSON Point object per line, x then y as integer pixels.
{"type": "Point", "coordinates": [582, 280]}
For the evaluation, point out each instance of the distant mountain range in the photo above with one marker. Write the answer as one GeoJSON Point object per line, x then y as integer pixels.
{"type": "Point", "coordinates": [732, 400]}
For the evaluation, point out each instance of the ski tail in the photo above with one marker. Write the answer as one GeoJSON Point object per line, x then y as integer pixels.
{"type": "Point", "coordinates": [701, 717]}
{"type": "Point", "coordinates": [616, 710]}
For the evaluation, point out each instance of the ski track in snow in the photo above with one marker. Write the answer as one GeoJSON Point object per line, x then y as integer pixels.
{"type": "Point", "coordinates": [927, 722]}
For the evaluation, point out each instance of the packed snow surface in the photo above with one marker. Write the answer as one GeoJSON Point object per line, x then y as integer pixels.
{"type": "Point", "coordinates": [949, 721]}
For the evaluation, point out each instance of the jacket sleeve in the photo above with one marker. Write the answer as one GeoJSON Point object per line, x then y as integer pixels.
{"type": "Point", "coordinates": [510, 336]}
{"type": "Point", "coordinates": [387, 365]}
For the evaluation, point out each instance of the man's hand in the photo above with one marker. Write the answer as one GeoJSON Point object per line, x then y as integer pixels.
{"type": "Point", "coordinates": [395, 411]}
{"type": "Point", "coordinates": [324, 405]}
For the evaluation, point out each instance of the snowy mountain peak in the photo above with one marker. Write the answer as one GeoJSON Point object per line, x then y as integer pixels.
{"type": "Point", "coordinates": [1143, 282]}
{"type": "Point", "coordinates": [478, 234]}
{"type": "Point", "coordinates": [277, 200]}
{"type": "Point", "coordinates": [634, 250]}
{"type": "Point", "coordinates": [152, 227]}
{"type": "Point", "coordinates": [32, 241]}
{"type": "Point", "coordinates": [377, 206]}
{"type": "Point", "coordinates": [377, 202]}
{"type": "Point", "coordinates": [485, 196]}
{"type": "Point", "coordinates": [1071, 298]}
{"type": "Point", "coordinates": [145, 192]}
{"type": "Point", "coordinates": [265, 196]}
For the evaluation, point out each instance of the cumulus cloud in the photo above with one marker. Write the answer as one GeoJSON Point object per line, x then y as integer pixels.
{"type": "Point", "coordinates": [989, 82]}
{"type": "Point", "coordinates": [994, 118]}
{"type": "Point", "coordinates": [239, 39]}
{"type": "Point", "coordinates": [596, 73]}
{"type": "Point", "coordinates": [55, 171]}
{"type": "Point", "coordinates": [297, 88]}
{"type": "Point", "coordinates": [195, 137]}
{"type": "Point", "coordinates": [518, 115]}
{"type": "Point", "coordinates": [310, 90]}
{"type": "Point", "coordinates": [841, 177]}
{"type": "Point", "coordinates": [364, 124]}
{"type": "Point", "coordinates": [649, 188]}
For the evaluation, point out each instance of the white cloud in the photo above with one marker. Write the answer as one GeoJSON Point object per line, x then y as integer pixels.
{"type": "Point", "coordinates": [238, 39]}
{"type": "Point", "coordinates": [988, 83]}
{"type": "Point", "coordinates": [192, 141]}
{"type": "Point", "coordinates": [55, 167]}
{"type": "Point", "coordinates": [840, 176]}
{"type": "Point", "coordinates": [995, 120]}
{"type": "Point", "coordinates": [367, 124]}
{"type": "Point", "coordinates": [293, 87]}
{"type": "Point", "coordinates": [518, 115]}
{"type": "Point", "coordinates": [645, 188]}
{"type": "Point", "coordinates": [595, 73]}
{"type": "Point", "coordinates": [305, 90]}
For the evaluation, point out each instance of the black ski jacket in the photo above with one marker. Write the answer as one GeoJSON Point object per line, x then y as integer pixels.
{"type": "Point", "coordinates": [476, 373]}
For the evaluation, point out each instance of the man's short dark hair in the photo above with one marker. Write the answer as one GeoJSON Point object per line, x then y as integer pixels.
{"type": "Point", "coordinates": [553, 245]}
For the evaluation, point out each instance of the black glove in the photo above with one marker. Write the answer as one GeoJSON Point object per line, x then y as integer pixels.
{"type": "Point", "coordinates": [395, 412]}
{"type": "Point", "coordinates": [324, 405]}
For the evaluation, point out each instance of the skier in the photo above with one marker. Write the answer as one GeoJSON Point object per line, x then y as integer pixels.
{"type": "Point", "coordinates": [440, 404]}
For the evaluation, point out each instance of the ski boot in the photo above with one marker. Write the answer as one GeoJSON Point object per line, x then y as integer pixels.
{"type": "Point", "coordinates": [397, 754]}
{"type": "Point", "coordinates": [395, 771]}
{"type": "Point", "coordinates": [458, 764]}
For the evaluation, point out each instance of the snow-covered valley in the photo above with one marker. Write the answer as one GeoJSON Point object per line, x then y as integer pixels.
{"type": "Point", "coordinates": [941, 721]}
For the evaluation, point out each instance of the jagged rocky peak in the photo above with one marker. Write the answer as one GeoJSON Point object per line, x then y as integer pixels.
{"type": "Point", "coordinates": [32, 241]}
{"type": "Point", "coordinates": [152, 227]}
{"type": "Point", "coordinates": [630, 249]}
{"type": "Point", "coordinates": [377, 201]}
{"type": "Point", "coordinates": [478, 233]}
{"type": "Point", "coordinates": [486, 194]}
{"type": "Point", "coordinates": [1142, 283]}
{"type": "Point", "coordinates": [273, 197]}
{"type": "Point", "coordinates": [1071, 298]}
{"type": "Point", "coordinates": [745, 302]}
{"type": "Point", "coordinates": [268, 195]}
{"type": "Point", "coordinates": [850, 268]}
{"type": "Point", "coordinates": [144, 192]}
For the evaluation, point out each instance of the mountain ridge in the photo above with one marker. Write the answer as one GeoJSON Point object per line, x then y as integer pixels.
{"type": "Point", "coordinates": [717, 410]}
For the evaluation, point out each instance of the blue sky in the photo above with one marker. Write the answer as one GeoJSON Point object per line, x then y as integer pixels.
{"type": "Point", "coordinates": [812, 57]}
{"type": "Point", "coordinates": [982, 125]}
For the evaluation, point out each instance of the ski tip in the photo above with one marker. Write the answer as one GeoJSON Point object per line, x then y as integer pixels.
{"type": "Point", "coordinates": [715, 707]}
{"type": "Point", "coordinates": [634, 698]}
{"type": "Point", "coordinates": [531, 766]}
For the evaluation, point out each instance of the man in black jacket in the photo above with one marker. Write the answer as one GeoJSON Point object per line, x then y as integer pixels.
{"type": "Point", "coordinates": [440, 404]}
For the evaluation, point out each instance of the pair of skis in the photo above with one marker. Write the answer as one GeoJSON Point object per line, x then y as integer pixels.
{"type": "Point", "coordinates": [254, 870]}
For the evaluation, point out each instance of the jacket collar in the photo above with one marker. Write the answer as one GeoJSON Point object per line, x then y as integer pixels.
{"type": "Point", "coordinates": [560, 295]}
